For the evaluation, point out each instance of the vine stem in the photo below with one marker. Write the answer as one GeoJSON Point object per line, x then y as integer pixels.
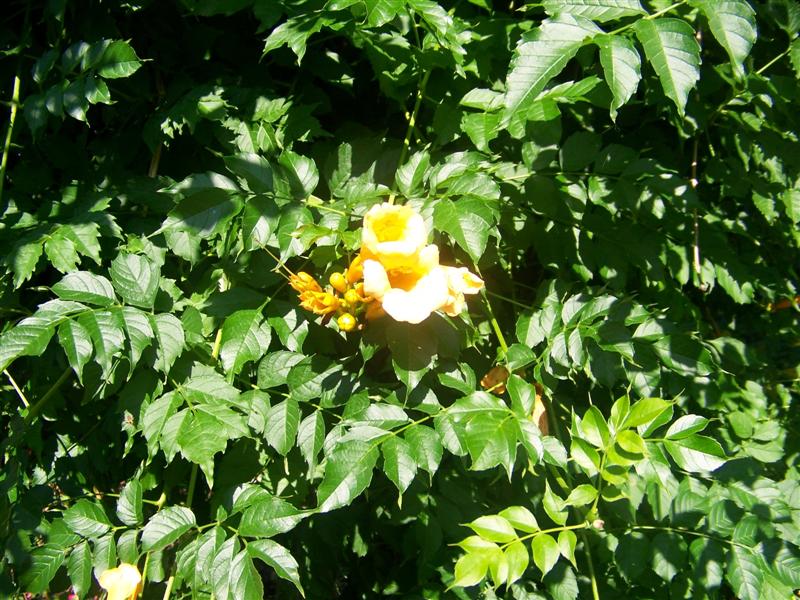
{"type": "Point", "coordinates": [412, 121]}
{"type": "Point", "coordinates": [9, 134]}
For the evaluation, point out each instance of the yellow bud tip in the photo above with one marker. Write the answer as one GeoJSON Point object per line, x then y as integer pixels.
{"type": "Point", "coordinates": [303, 282]}
{"type": "Point", "coordinates": [352, 297]}
{"type": "Point", "coordinates": [347, 322]}
{"type": "Point", "coordinates": [338, 282]}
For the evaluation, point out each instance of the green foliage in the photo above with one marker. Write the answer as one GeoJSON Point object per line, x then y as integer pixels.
{"type": "Point", "coordinates": [610, 418]}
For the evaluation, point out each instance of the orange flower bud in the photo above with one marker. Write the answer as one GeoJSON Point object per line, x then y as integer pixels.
{"type": "Point", "coordinates": [339, 282]}
{"type": "Point", "coordinates": [352, 298]}
{"type": "Point", "coordinates": [320, 303]}
{"type": "Point", "coordinates": [303, 282]}
{"type": "Point", "coordinates": [356, 269]}
{"type": "Point", "coordinates": [346, 322]}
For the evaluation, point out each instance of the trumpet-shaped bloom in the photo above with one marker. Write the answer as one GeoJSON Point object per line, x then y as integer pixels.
{"type": "Point", "coordinates": [392, 235]}
{"type": "Point", "coordinates": [410, 292]}
{"type": "Point", "coordinates": [122, 582]}
{"type": "Point", "coordinates": [460, 281]}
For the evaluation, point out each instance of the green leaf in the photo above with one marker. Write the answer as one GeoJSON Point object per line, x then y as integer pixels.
{"type": "Point", "coordinates": [83, 286]}
{"type": "Point", "coordinates": [491, 439]}
{"type": "Point", "coordinates": [129, 503]}
{"type": "Point", "coordinates": [108, 338]}
{"type": "Point", "coordinates": [582, 495]}
{"type": "Point", "coordinates": [45, 562]}
{"type": "Point", "coordinates": [268, 517]}
{"type": "Point", "coordinates": [168, 333]}
{"type": "Point", "coordinates": [668, 555]}
{"type": "Point", "coordinates": [596, 10]}
{"type": "Point", "coordinates": [398, 463]}
{"type": "Point", "coordinates": [200, 436]}
{"type": "Point", "coordinates": [470, 569]}
{"type": "Point", "coordinates": [281, 425]}
{"type": "Point", "coordinates": [79, 568]}
{"type": "Point", "coordinates": [61, 252]}
{"type": "Point", "coordinates": [685, 426]}
{"type": "Point", "coordinates": [622, 68]}
{"type": "Point", "coordinates": [481, 128]}
{"type": "Point", "coordinates": [410, 176]}
{"type": "Point", "coordinates": [221, 568]}
{"type": "Point", "coordinates": [791, 202]}
{"type": "Point", "coordinates": [135, 278]}
{"type": "Point", "coordinates": [554, 506]}
{"type": "Point", "coordinates": [301, 173]}
{"type": "Point", "coordinates": [540, 56]}
{"type": "Point", "coordinates": [259, 221]}
{"type": "Point", "coordinates": [545, 552]}
{"type": "Point", "coordinates": [279, 558]}
{"type": "Point", "coordinates": [274, 369]}
{"type": "Point", "coordinates": [23, 260]}
{"type": "Point", "coordinates": [520, 518]}
{"type": "Point", "coordinates": [294, 33]}
{"type": "Point", "coordinates": [310, 436]}
{"type": "Point", "coordinates": [493, 528]}
{"type": "Point", "coordinates": [165, 527]}
{"type": "Point", "coordinates": [425, 447]}
{"type": "Point", "coordinates": [105, 554]}
{"type": "Point", "coordinates": [119, 60]}
{"type": "Point", "coordinates": [595, 428]}
{"type": "Point", "coordinates": [245, 338]}
{"type": "Point", "coordinates": [697, 453]}
{"type": "Point", "coordinates": [672, 49]}
{"type": "Point", "coordinates": [468, 221]}
{"type": "Point", "coordinates": [517, 560]}
{"type": "Point", "coordinates": [744, 573]}
{"type": "Point", "coordinates": [348, 472]}
{"type": "Point", "coordinates": [28, 338]}
{"type": "Point", "coordinates": [154, 417]}
{"type": "Point", "coordinates": [245, 582]}
{"type": "Point", "coordinates": [566, 545]}
{"type": "Point", "coordinates": [733, 24]}
{"type": "Point", "coordinates": [632, 555]}
{"type": "Point", "coordinates": [644, 411]}
{"type": "Point", "coordinates": [77, 345]}
{"type": "Point", "coordinates": [87, 519]}
{"type": "Point", "coordinates": [140, 332]}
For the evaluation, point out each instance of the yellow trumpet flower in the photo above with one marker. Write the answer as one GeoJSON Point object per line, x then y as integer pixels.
{"type": "Point", "coordinates": [122, 582]}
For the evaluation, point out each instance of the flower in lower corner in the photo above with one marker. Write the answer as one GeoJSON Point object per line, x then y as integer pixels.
{"type": "Point", "coordinates": [122, 582]}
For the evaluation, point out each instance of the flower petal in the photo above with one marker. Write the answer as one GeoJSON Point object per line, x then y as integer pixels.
{"type": "Point", "coordinates": [417, 304]}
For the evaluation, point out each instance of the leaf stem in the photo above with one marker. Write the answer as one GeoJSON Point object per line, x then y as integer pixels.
{"type": "Point", "coordinates": [493, 321]}
{"type": "Point", "coordinates": [168, 589]}
{"type": "Point", "coordinates": [9, 135]}
{"type": "Point", "coordinates": [655, 15]}
{"type": "Point", "coordinates": [412, 120]}
{"type": "Point", "coordinates": [37, 408]}
{"type": "Point", "coordinates": [17, 389]}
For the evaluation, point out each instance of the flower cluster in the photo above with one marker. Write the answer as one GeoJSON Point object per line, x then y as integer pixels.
{"type": "Point", "coordinates": [344, 297]}
{"type": "Point", "coordinates": [396, 273]}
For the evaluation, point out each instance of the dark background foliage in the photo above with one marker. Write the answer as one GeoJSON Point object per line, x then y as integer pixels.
{"type": "Point", "coordinates": [167, 403]}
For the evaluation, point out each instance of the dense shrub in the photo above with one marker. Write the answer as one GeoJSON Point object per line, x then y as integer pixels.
{"type": "Point", "coordinates": [611, 416]}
